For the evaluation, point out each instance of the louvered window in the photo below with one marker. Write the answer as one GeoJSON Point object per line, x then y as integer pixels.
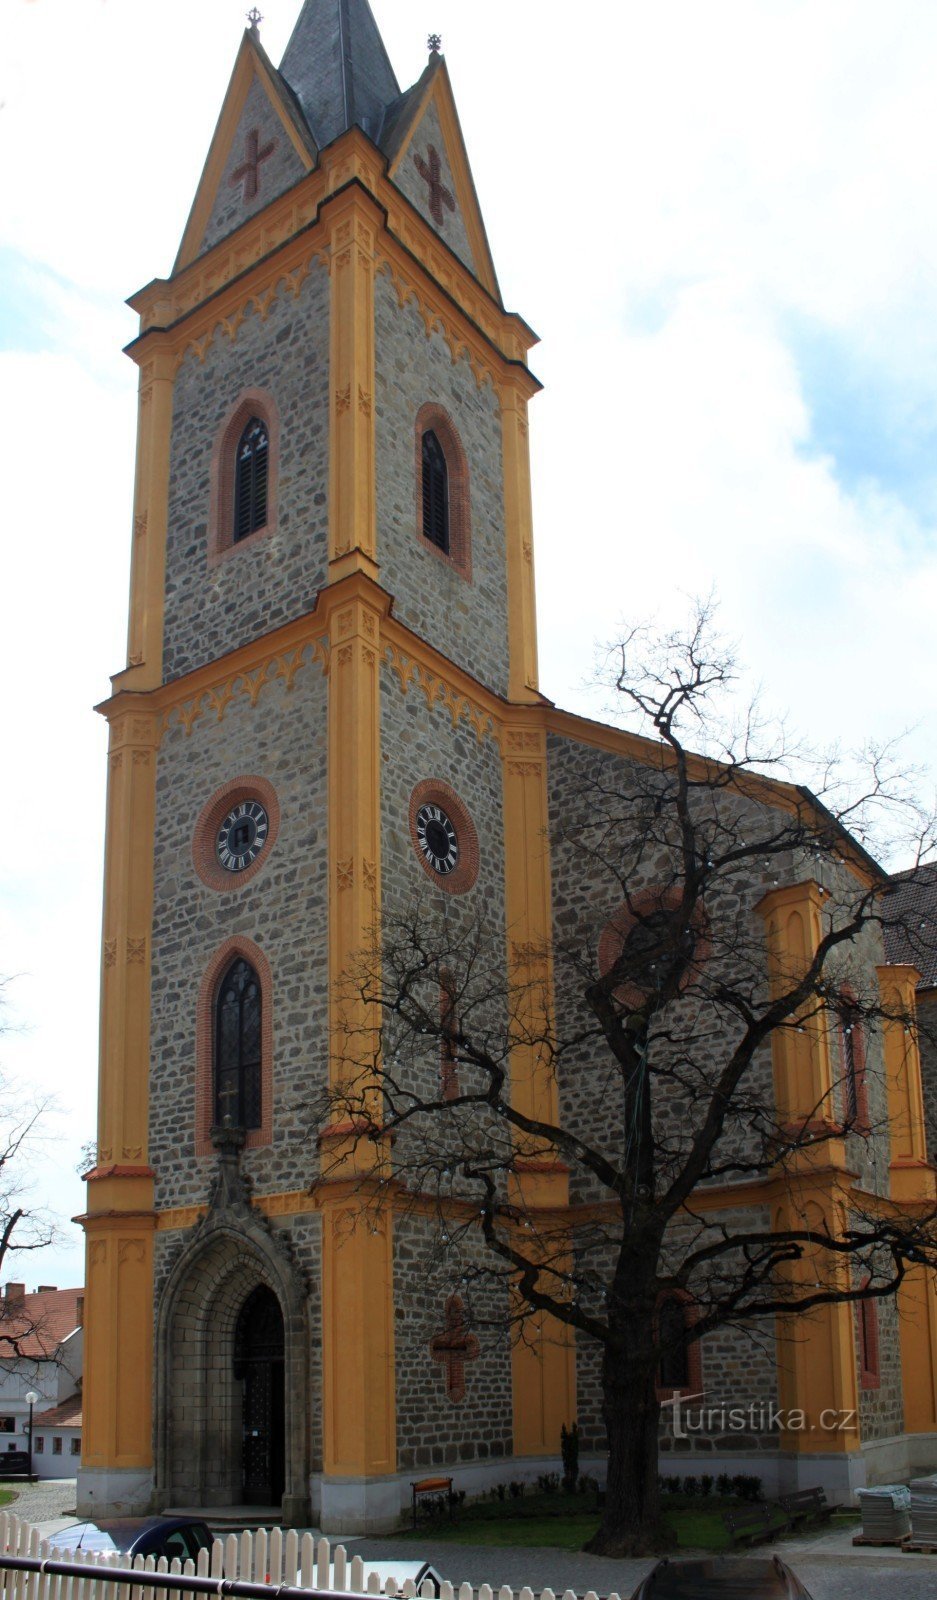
{"type": "Point", "coordinates": [250, 486]}
{"type": "Point", "coordinates": [435, 493]}
{"type": "Point", "coordinates": [238, 1046]}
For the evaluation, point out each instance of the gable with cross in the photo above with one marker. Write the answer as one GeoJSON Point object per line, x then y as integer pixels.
{"type": "Point", "coordinates": [248, 172]}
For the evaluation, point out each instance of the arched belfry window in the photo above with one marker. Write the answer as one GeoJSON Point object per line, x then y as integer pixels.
{"type": "Point", "coordinates": [435, 493]}
{"type": "Point", "coordinates": [238, 1046]}
{"type": "Point", "coordinates": [250, 480]}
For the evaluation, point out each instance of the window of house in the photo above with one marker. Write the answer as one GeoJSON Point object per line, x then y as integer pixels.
{"type": "Point", "coordinates": [57, 1447]}
{"type": "Point", "coordinates": [250, 480]}
{"type": "Point", "coordinates": [75, 1447]}
{"type": "Point", "coordinates": [39, 1444]}
{"type": "Point", "coordinates": [435, 493]}
{"type": "Point", "coordinates": [7, 1424]}
{"type": "Point", "coordinates": [237, 1051]}
{"type": "Point", "coordinates": [869, 1367]}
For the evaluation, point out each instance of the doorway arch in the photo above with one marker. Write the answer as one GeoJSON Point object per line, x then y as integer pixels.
{"type": "Point", "coordinates": [258, 1367]}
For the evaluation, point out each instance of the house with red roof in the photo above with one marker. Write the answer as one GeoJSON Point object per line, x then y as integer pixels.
{"type": "Point", "coordinates": [41, 1349]}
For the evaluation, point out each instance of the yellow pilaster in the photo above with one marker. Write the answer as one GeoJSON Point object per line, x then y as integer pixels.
{"type": "Point", "coordinates": [917, 1328]}
{"type": "Point", "coordinates": [352, 220]}
{"type": "Point", "coordinates": [518, 527]}
{"type": "Point", "coordinates": [150, 518]}
{"type": "Point", "coordinates": [357, 1333]}
{"type": "Point", "coordinates": [358, 1341]}
{"type": "Point", "coordinates": [816, 1350]}
{"type": "Point", "coordinates": [543, 1359]}
{"type": "Point", "coordinates": [119, 1222]}
{"type": "Point", "coordinates": [803, 1078]}
{"type": "Point", "coordinates": [911, 1176]}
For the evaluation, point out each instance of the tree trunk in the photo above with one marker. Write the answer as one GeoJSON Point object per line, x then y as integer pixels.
{"type": "Point", "coordinates": [631, 1523]}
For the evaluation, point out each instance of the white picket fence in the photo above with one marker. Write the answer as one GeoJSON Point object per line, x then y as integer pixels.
{"type": "Point", "coordinates": [267, 1556]}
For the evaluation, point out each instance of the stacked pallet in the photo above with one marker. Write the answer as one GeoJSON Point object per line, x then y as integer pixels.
{"type": "Point", "coordinates": [885, 1514]}
{"type": "Point", "coordinates": [924, 1512]}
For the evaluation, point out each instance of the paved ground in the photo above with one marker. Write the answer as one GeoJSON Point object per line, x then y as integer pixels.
{"type": "Point", "coordinates": [828, 1563]}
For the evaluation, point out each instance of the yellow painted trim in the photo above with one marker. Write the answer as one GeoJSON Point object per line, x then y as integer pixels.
{"type": "Point", "coordinates": [150, 519]}
{"type": "Point", "coordinates": [353, 221]}
{"type": "Point", "coordinates": [519, 536]}
{"type": "Point", "coordinates": [249, 65]}
{"type": "Point", "coordinates": [908, 1143]}
{"type": "Point", "coordinates": [816, 1351]}
{"type": "Point", "coordinates": [118, 1375]}
{"type": "Point", "coordinates": [359, 1411]}
{"type": "Point", "coordinates": [803, 1080]}
{"type": "Point", "coordinates": [917, 1331]}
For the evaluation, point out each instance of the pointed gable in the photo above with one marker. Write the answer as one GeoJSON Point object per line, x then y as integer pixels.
{"type": "Point", "coordinates": [337, 67]}
{"type": "Point", "coordinates": [427, 160]}
{"type": "Point", "coordinates": [260, 148]}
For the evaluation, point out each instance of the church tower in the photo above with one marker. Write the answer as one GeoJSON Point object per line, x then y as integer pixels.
{"type": "Point", "coordinates": [330, 701]}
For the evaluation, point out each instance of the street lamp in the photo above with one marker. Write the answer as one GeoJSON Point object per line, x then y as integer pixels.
{"type": "Point", "coordinates": [31, 1399]}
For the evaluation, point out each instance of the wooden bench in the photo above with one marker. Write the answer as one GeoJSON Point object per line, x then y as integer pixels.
{"type": "Point", "coordinates": [804, 1505]}
{"type": "Point", "coordinates": [428, 1492]}
{"type": "Point", "coordinates": [746, 1524]}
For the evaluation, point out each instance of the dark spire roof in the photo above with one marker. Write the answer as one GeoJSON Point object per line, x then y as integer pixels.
{"type": "Point", "coordinates": [338, 68]}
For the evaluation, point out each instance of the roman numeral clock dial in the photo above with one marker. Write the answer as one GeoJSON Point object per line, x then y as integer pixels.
{"type": "Point", "coordinates": [437, 839]}
{"type": "Point", "coordinates": [242, 835]}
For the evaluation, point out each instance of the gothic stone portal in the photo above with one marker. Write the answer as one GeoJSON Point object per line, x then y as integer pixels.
{"type": "Point", "coordinates": [230, 1345]}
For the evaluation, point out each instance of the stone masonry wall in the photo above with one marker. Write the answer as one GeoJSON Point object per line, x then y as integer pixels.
{"type": "Point", "coordinates": [283, 909]}
{"type": "Point", "coordinates": [212, 609]}
{"type": "Point", "coordinates": [927, 1042]}
{"type": "Point", "coordinates": [465, 619]}
{"type": "Point", "coordinates": [434, 1430]}
{"type": "Point", "coordinates": [275, 173]}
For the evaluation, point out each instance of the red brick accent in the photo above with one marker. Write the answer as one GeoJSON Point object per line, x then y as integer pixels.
{"type": "Point", "coordinates": [870, 1370]}
{"type": "Point", "coordinates": [434, 791]}
{"type": "Point", "coordinates": [237, 945]}
{"type": "Point", "coordinates": [221, 543]}
{"type": "Point", "coordinates": [436, 418]}
{"type": "Point", "coordinates": [454, 1346]}
{"type": "Point", "coordinates": [247, 787]}
{"type": "Point", "coordinates": [616, 930]}
{"type": "Point", "coordinates": [694, 1354]}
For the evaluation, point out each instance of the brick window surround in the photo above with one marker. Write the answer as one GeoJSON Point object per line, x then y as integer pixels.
{"type": "Point", "coordinates": [694, 1354]}
{"type": "Point", "coordinates": [433, 791]}
{"type": "Point", "coordinates": [247, 786]}
{"type": "Point", "coordinates": [642, 904]}
{"type": "Point", "coordinates": [870, 1372]}
{"type": "Point", "coordinates": [435, 418]}
{"type": "Point", "coordinates": [237, 945]}
{"type": "Point", "coordinates": [221, 541]}
{"type": "Point", "coordinates": [851, 1041]}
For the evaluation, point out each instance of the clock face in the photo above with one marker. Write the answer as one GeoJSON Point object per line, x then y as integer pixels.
{"type": "Point", "coordinates": [437, 838]}
{"type": "Point", "coordinates": [242, 835]}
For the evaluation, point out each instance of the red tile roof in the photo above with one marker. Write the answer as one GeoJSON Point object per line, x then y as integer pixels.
{"type": "Point", "coordinates": [65, 1415]}
{"type": "Point", "coordinates": [38, 1322]}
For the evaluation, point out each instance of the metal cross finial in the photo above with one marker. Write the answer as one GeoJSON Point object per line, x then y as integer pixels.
{"type": "Point", "coordinates": [254, 18]}
{"type": "Point", "coordinates": [434, 43]}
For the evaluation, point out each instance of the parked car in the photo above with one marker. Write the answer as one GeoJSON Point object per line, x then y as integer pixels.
{"type": "Point", "coordinates": [138, 1536]}
{"type": "Point", "coordinates": [719, 1578]}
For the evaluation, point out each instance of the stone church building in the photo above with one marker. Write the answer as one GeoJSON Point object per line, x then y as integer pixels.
{"type": "Point", "coordinates": [331, 702]}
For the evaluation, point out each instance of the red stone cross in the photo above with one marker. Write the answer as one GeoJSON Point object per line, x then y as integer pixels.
{"type": "Point", "coordinates": [454, 1346]}
{"type": "Point", "coordinates": [439, 195]}
{"type": "Point", "coordinates": [249, 170]}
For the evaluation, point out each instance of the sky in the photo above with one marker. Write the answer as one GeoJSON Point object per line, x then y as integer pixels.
{"type": "Point", "coordinates": [722, 222]}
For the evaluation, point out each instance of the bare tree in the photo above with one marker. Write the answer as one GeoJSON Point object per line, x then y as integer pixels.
{"type": "Point", "coordinates": [25, 1226]}
{"type": "Point", "coordinates": [659, 1014]}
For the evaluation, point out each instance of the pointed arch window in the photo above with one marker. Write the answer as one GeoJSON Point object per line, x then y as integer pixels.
{"type": "Point", "coordinates": [850, 1029]}
{"type": "Point", "coordinates": [870, 1375]}
{"type": "Point", "coordinates": [251, 471]}
{"type": "Point", "coordinates": [679, 1369]}
{"type": "Point", "coordinates": [443, 515]}
{"type": "Point", "coordinates": [435, 493]}
{"type": "Point", "coordinates": [238, 1046]}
